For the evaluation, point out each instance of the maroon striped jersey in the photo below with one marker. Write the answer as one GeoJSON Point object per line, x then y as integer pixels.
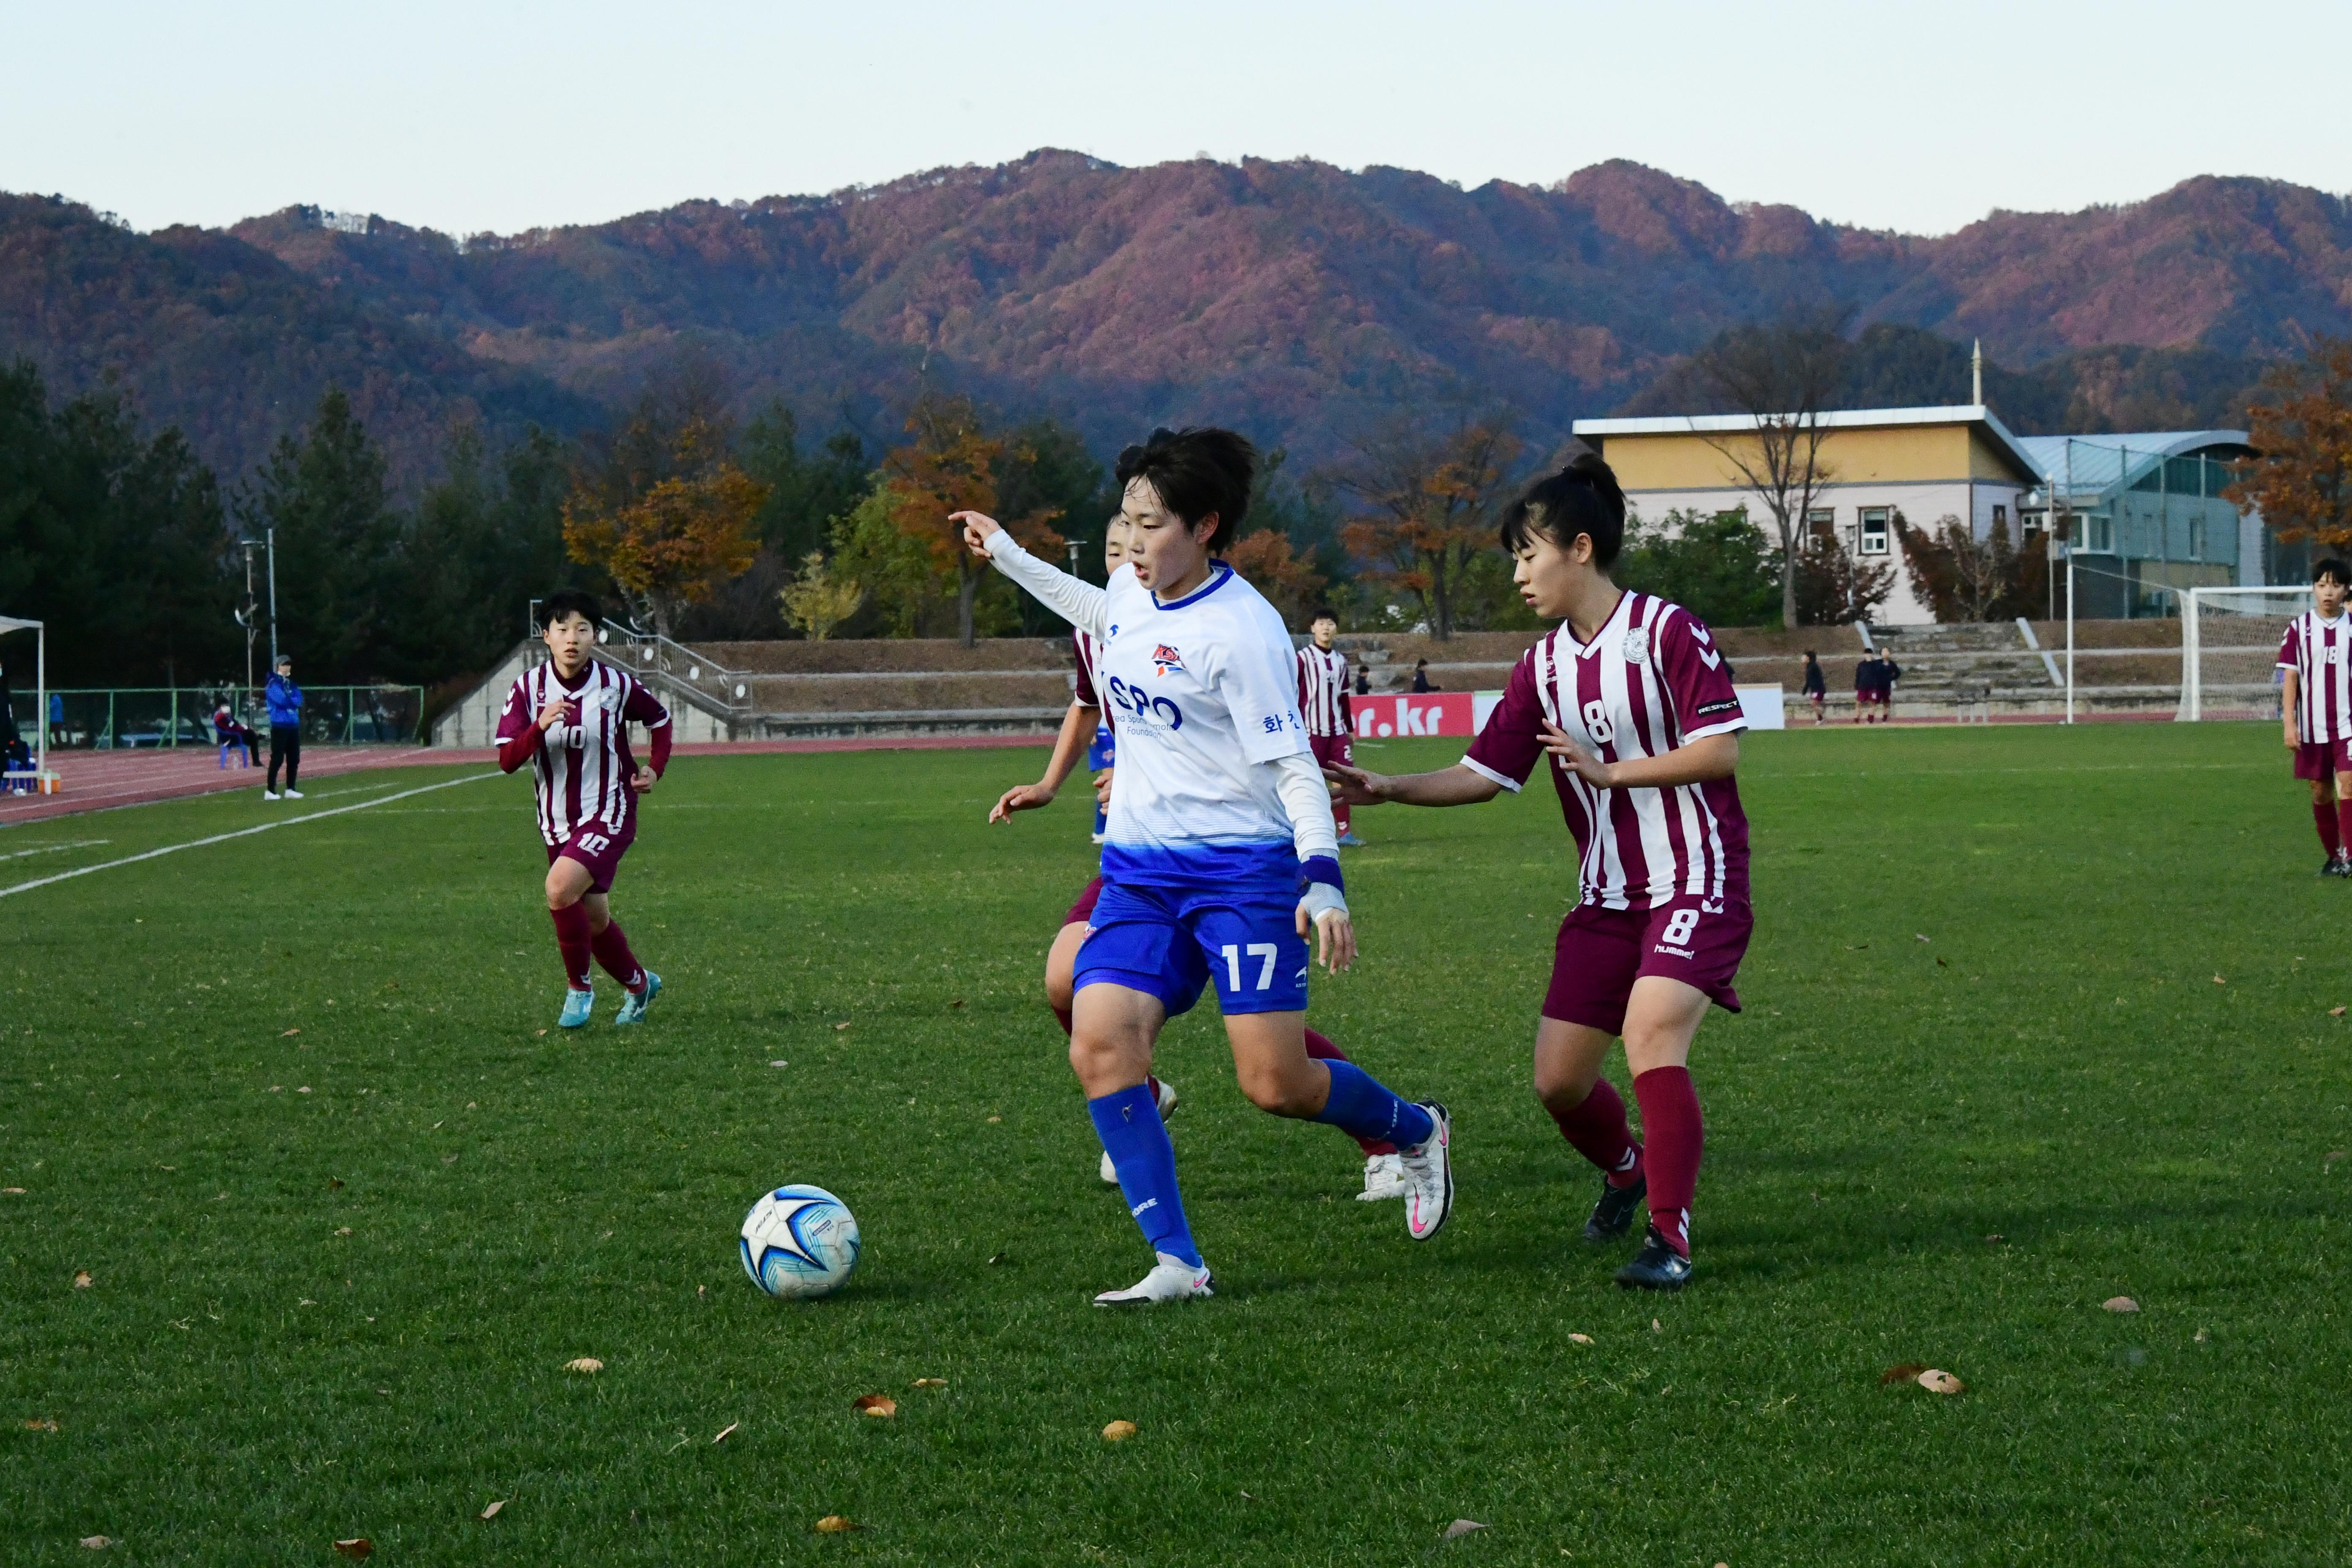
{"type": "Point", "coordinates": [1650, 681]}
{"type": "Point", "coordinates": [1323, 689]}
{"type": "Point", "coordinates": [1089, 652]}
{"type": "Point", "coordinates": [582, 768]}
{"type": "Point", "coordinates": [2317, 651]}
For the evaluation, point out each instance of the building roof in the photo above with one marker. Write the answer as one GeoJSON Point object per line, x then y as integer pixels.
{"type": "Point", "coordinates": [2082, 466]}
{"type": "Point", "coordinates": [1833, 419]}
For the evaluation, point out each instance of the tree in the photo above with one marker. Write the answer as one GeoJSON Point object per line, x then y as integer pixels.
{"type": "Point", "coordinates": [675, 539]}
{"type": "Point", "coordinates": [1834, 589]}
{"type": "Point", "coordinates": [1968, 579]}
{"type": "Point", "coordinates": [2300, 422]}
{"type": "Point", "coordinates": [1784, 377]}
{"type": "Point", "coordinates": [1427, 501]}
{"type": "Point", "coordinates": [819, 599]}
{"type": "Point", "coordinates": [1290, 585]}
{"type": "Point", "coordinates": [338, 583]}
{"type": "Point", "coordinates": [953, 464]}
{"type": "Point", "coordinates": [483, 540]}
{"type": "Point", "coordinates": [1718, 566]}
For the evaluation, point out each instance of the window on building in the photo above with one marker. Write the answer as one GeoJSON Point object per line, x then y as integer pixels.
{"type": "Point", "coordinates": [1822, 522]}
{"type": "Point", "coordinates": [1999, 515]}
{"type": "Point", "coordinates": [2099, 534]}
{"type": "Point", "coordinates": [1874, 529]}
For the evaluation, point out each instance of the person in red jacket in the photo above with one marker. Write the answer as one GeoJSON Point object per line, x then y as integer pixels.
{"type": "Point", "coordinates": [570, 719]}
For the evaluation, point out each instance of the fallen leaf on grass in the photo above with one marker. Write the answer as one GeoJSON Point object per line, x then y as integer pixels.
{"type": "Point", "coordinates": [1941, 963]}
{"type": "Point", "coordinates": [1118, 1431]}
{"type": "Point", "coordinates": [834, 1524]}
{"type": "Point", "coordinates": [1903, 1372]}
{"type": "Point", "coordinates": [586, 1364]}
{"type": "Point", "coordinates": [2120, 1304]}
{"type": "Point", "coordinates": [542, 1031]}
{"type": "Point", "coordinates": [877, 1404]}
{"type": "Point", "coordinates": [13, 1192]}
{"type": "Point", "coordinates": [957, 1003]}
{"type": "Point", "coordinates": [726, 1432]}
{"type": "Point", "coordinates": [1460, 1528]}
{"type": "Point", "coordinates": [838, 1028]}
{"type": "Point", "coordinates": [930, 1383]}
{"type": "Point", "coordinates": [2336, 1012]}
{"type": "Point", "coordinates": [779, 1064]}
{"type": "Point", "coordinates": [97, 1542]}
{"type": "Point", "coordinates": [1936, 1381]}
{"type": "Point", "coordinates": [342, 1230]}
{"type": "Point", "coordinates": [2202, 1336]}
{"type": "Point", "coordinates": [335, 1183]}
{"type": "Point", "coordinates": [358, 1546]}
{"type": "Point", "coordinates": [1656, 1327]}
{"type": "Point", "coordinates": [1996, 1237]}
{"type": "Point", "coordinates": [1921, 936]}
{"type": "Point", "coordinates": [1857, 947]}
{"type": "Point", "coordinates": [40, 1424]}
{"type": "Point", "coordinates": [20, 1189]}
{"type": "Point", "coordinates": [81, 1279]}
{"type": "Point", "coordinates": [2332, 1155]}
{"type": "Point", "coordinates": [1580, 1339]}
{"type": "Point", "coordinates": [290, 1033]}
{"type": "Point", "coordinates": [995, 1257]}
{"type": "Point", "coordinates": [492, 1511]}
{"type": "Point", "coordinates": [304, 1089]}
{"type": "Point", "coordinates": [448, 1159]}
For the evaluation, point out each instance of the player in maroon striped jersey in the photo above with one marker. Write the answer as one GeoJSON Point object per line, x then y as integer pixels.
{"type": "Point", "coordinates": [2316, 708]}
{"type": "Point", "coordinates": [1383, 1171]}
{"type": "Point", "coordinates": [1629, 699]}
{"type": "Point", "coordinates": [570, 719]}
{"type": "Point", "coordinates": [1323, 702]}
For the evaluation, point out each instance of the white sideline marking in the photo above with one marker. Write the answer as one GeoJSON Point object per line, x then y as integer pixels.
{"type": "Point", "coordinates": [53, 848]}
{"type": "Point", "coordinates": [240, 833]}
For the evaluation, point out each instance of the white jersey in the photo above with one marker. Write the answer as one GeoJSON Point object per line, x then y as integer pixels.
{"type": "Point", "coordinates": [1323, 689]}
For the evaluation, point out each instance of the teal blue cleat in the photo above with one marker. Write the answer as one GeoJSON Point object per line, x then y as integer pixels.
{"type": "Point", "coordinates": [577, 1006]}
{"type": "Point", "coordinates": [633, 1009]}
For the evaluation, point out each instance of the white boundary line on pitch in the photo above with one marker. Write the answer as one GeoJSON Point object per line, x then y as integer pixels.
{"type": "Point", "coordinates": [240, 833]}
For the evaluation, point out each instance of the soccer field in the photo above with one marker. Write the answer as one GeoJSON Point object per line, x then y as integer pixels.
{"type": "Point", "coordinates": [348, 1203]}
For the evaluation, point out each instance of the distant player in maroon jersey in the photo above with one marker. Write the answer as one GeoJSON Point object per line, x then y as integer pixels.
{"type": "Point", "coordinates": [2316, 657]}
{"type": "Point", "coordinates": [1630, 699]}
{"type": "Point", "coordinates": [570, 719]}
{"type": "Point", "coordinates": [1323, 702]}
{"type": "Point", "coordinates": [1383, 1173]}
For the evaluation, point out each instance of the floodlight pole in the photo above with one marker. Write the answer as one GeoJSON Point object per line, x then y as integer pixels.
{"type": "Point", "coordinates": [41, 696]}
{"type": "Point", "coordinates": [2070, 575]}
{"type": "Point", "coordinates": [272, 534]}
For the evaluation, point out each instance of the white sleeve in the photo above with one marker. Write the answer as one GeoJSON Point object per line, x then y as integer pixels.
{"type": "Point", "coordinates": [1074, 599]}
{"type": "Point", "coordinates": [1307, 801]}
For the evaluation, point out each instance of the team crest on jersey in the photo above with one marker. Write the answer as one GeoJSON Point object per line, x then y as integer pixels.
{"type": "Point", "coordinates": [1637, 646]}
{"type": "Point", "coordinates": [1165, 659]}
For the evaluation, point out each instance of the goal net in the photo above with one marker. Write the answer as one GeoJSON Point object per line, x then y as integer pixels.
{"type": "Point", "coordinates": [2229, 649]}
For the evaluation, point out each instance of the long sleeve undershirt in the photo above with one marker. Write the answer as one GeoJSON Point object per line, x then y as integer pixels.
{"type": "Point", "coordinates": [1307, 801]}
{"type": "Point", "coordinates": [1074, 599]}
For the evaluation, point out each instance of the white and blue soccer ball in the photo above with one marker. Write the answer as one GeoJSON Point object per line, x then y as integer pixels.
{"type": "Point", "coordinates": [799, 1241]}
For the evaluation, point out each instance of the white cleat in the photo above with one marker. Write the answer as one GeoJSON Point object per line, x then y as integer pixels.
{"type": "Point", "coordinates": [293, 794]}
{"type": "Point", "coordinates": [1170, 1279]}
{"type": "Point", "coordinates": [1383, 1179]}
{"type": "Point", "coordinates": [1109, 1172]}
{"type": "Point", "coordinates": [1429, 1178]}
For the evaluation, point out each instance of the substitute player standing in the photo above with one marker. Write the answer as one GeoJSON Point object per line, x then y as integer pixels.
{"type": "Point", "coordinates": [1630, 699]}
{"type": "Point", "coordinates": [1323, 698]}
{"type": "Point", "coordinates": [570, 719]}
{"type": "Point", "coordinates": [1221, 853]}
{"type": "Point", "coordinates": [2317, 706]}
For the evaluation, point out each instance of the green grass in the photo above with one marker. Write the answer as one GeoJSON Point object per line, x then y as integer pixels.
{"type": "Point", "coordinates": [1948, 1151]}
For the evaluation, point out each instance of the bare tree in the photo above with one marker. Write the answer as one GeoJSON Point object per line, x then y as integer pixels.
{"type": "Point", "coordinates": [1427, 494]}
{"type": "Point", "coordinates": [1782, 376]}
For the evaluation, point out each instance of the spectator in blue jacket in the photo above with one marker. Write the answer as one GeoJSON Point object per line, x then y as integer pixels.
{"type": "Point", "coordinates": [285, 700]}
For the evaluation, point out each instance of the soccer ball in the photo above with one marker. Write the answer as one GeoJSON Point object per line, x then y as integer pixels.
{"type": "Point", "coordinates": [799, 1241]}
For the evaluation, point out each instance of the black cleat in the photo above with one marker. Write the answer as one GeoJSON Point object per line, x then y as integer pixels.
{"type": "Point", "coordinates": [1613, 1215]}
{"type": "Point", "coordinates": [1657, 1268]}
{"type": "Point", "coordinates": [2337, 866]}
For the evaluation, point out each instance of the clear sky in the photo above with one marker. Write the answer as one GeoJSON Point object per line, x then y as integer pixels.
{"type": "Point", "coordinates": [494, 115]}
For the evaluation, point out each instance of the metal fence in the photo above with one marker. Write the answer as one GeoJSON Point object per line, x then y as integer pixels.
{"type": "Point", "coordinates": [106, 719]}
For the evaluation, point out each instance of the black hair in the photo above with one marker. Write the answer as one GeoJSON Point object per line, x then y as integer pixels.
{"type": "Point", "coordinates": [1321, 612]}
{"type": "Point", "coordinates": [1583, 498]}
{"type": "Point", "coordinates": [555, 606]}
{"type": "Point", "coordinates": [1811, 654]}
{"type": "Point", "coordinates": [2328, 566]}
{"type": "Point", "coordinates": [1196, 472]}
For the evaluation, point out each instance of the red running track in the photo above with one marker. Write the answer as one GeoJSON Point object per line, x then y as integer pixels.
{"type": "Point", "coordinates": [97, 780]}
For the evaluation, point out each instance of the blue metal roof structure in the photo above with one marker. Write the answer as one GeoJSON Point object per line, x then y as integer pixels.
{"type": "Point", "coordinates": [2084, 469]}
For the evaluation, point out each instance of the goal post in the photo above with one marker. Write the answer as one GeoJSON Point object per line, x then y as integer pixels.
{"type": "Point", "coordinates": [2229, 649]}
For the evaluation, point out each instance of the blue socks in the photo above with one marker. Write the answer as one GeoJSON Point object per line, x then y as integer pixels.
{"type": "Point", "coordinates": [1362, 1107]}
{"type": "Point", "coordinates": [1127, 1122]}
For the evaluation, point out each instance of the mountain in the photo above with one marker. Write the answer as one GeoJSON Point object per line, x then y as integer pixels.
{"type": "Point", "coordinates": [1303, 301]}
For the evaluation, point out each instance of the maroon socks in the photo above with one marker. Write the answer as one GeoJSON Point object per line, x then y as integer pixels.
{"type": "Point", "coordinates": [612, 949]}
{"type": "Point", "coordinates": [1672, 1135]}
{"type": "Point", "coordinates": [1320, 1048]}
{"type": "Point", "coordinates": [572, 941]}
{"type": "Point", "coordinates": [2335, 820]}
{"type": "Point", "coordinates": [1597, 1131]}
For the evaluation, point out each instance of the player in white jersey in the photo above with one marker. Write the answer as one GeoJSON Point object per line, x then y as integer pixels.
{"type": "Point", "coordinates": [1323, 698]}
{"type": "Point", "coordinates": [570, 719]}
{"type": "Point", "coordinates": [2316, 708]}
{"type": "Point", "coordinates": [1221, 852]}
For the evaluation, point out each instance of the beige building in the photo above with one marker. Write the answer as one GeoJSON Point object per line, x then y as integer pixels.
{"type": "Point", "coordinates": [1923, 465]}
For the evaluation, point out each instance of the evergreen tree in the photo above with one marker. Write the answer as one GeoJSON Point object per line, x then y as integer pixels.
{"type": "Point", "coordinates": [339, 602]}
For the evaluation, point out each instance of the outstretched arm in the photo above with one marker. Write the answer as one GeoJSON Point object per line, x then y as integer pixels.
{"type": "Point", "coordinates": [1074, 599]}
{"type": "Point", "coordinates": [1460, 784]}
{"type": "Point", "coordinates": [1077, 728]}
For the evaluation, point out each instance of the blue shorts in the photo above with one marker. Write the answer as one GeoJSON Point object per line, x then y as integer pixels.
{"type": "Point", "coordinates": [1102, 751]}
{"type": "Point", "coordinates": [1170, 942]}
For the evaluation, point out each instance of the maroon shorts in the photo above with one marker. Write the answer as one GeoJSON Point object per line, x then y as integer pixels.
{"type": "Point", "coordinates": [1602, 952]}
{"type": "Point", "coordinates": [1085, 908]}
{"type": "Point", "coordinates": [1333, 748]}
{"type": "Point", "coordinates": [599, 848]}
{"type": "Point", "coordinates": [2323, 759]}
